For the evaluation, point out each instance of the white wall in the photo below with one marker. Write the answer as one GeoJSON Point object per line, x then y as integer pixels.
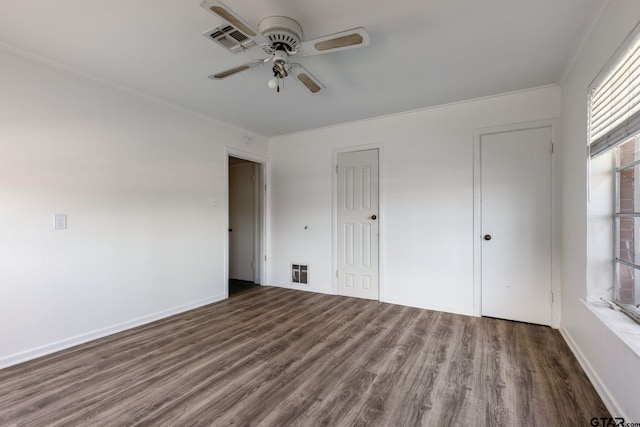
{"type": "Point", "coordinates": [135, 178]}
{"type": "Point", "coordinates": [426, 214]}
{"type": "Point", "coordinates": [612, 366]}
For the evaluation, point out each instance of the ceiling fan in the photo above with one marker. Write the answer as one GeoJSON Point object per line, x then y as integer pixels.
{"type": "Point", "coordinates": [281, 38]}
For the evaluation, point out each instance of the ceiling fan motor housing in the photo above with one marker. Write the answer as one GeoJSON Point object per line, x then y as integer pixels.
{"type": "Point", "coordinates": [280, 64]}
{"type": "Point", "coordinates": [283, 32]}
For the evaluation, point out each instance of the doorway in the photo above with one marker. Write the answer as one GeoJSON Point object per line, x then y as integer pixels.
{"type": "Point", "coordinates": [515, 238]}
{"type": "Point", "coordinates": [245, 224]}
{"type": "Point", "coordinates": [357, 202]}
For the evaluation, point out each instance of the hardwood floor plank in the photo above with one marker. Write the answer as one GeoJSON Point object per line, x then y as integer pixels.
{"type": "Point", "coordinates": [254, 380]}
{"type": "Point", "coordinates": [234, 356]}
{"type": "Point", "coordinates": [322, 367]}
{"type": "Point", "coordinates": [394, 371]}
{"type": "Point", "coordinates": [386, 345]}
{"type": "Point", "coordinates": [274, 357]}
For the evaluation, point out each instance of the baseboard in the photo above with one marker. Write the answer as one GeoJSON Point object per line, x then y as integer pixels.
{"type": "Point", "coordinates": [433, 307]}
{"type": "Point", "coordinates": [397, 301]}
{"type": "Point", "coordinates": [44, 350]}
{"type": "Point", "coordinates": [600, 387]}
{"type": "Point", "coordinates": [305, 288]}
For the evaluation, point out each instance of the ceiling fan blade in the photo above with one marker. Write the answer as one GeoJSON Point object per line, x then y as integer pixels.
{"type": "Point", "coordinates": [235, 70]}
{"type": "Point", "coordinates": [225, 13]}
{"type": "Point", "coordinates": [306, 79]}
{"type": "Point", "coordinates": [349, 39]}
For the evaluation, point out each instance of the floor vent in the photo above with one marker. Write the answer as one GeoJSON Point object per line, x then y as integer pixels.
{"type": "Point", "coordinates": [230, 38]}
{"type": "Point", "coordinates": [300, 274]}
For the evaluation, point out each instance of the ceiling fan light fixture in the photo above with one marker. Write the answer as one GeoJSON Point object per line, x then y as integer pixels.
{"type": "Point", "coordinates": [280, 37]}
{"type": "Point", "coordinates": [280, 69]}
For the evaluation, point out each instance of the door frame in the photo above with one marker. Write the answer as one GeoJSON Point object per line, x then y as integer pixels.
{"type": "Point", "coordinates": [477, 213]}
{"type": "Point", "coordinates": [263, 213]}
{"type": "Point", "coordinates": [253, 169]}
{"type": "Point", "coordinates": [381, 216]}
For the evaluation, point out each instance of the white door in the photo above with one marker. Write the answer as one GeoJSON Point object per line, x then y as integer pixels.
{"type": "Point", "coordinates": [516, 225]}
{"type": "Point", "coordinates": [357, 203]}
{"type": "Point", "coordinates": [241, 221]}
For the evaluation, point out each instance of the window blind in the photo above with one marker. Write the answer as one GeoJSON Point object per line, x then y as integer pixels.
{"type": "Point", "coordinates": [614, 110]}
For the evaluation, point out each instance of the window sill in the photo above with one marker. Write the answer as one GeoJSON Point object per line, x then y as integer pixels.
{"type": "Point", "coordinates": [619, 323]}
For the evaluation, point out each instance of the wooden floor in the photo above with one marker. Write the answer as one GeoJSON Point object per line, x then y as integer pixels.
{"type": "Point", "coordinates": [277, 357]}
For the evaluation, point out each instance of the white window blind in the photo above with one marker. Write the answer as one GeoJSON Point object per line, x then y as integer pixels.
{"type": "Point", "coordinates": [614, 110]}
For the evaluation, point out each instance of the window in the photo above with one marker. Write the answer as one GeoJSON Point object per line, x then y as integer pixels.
{"type": "Point", "coordinates": [614, 125]}
{"type": "Point", "coordinates": [627, 225]}
{"type": "Point", "coordinates": [614, 103]}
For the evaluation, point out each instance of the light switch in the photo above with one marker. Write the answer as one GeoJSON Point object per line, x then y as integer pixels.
{"type": "Point", "coordinates": [59, 221]}
{"type": "Point", "coordinates": [214, 201]}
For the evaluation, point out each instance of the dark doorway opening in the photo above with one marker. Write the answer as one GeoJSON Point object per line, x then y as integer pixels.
{"type": "Point", "coordinates": [236, 286]}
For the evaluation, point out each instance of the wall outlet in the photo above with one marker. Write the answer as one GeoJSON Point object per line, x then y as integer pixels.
{"type": "Point", "coordinates": [59, 221]}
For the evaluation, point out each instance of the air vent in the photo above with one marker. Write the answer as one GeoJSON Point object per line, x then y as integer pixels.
{"type": "Point", "coordinates": [230, 38]}
{"type": "Point", "coordinates": [300, 274]}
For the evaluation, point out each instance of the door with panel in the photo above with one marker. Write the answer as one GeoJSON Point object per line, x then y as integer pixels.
{"type": "Point", "coordinates": [357, 224]}
{"type": "Point", "coordinates": [516, 237]}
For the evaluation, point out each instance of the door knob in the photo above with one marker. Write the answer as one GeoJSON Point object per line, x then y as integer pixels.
{"type": "Point", "coordinates": [373, 217]}
{"type": "Point", "coordinates": [487, 237]}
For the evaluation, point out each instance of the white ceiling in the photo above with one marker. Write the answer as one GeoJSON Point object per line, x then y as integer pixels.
{"type": "Point", "coordinates": [422, 53]}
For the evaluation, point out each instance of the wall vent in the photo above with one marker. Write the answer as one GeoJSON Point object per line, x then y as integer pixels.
{"type": "Point", "coordinates": [300, 274]}
{"type": "Point", "coordinates": [230, 38]}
